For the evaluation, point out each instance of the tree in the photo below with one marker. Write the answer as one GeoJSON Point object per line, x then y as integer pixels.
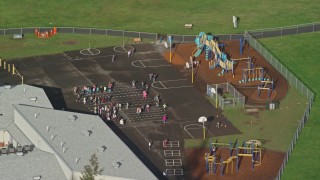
{"type": "Point", "coordinates": [91, 170]}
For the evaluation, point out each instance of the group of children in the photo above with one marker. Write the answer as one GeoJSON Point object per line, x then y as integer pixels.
{"type": "Point", "coordinates": [99, 97]}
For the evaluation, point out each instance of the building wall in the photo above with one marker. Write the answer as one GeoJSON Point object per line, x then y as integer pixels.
{"type": "Point", "coordinates": [39, 141]}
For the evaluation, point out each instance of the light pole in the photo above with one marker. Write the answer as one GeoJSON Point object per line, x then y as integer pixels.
{"type": "Point", "coordinates": [203, 119]}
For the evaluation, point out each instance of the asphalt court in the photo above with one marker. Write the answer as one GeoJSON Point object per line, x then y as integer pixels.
{"type": "Point", "coordinates": [150, 63]}
{"type": "Point", "coordinates": [172, 84]}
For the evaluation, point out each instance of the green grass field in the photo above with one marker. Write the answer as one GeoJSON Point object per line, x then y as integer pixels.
{"type": "Point", "coordinates": [32, 46]}
{"type": "Point", "coordinates": [302, 57]}
{"type": "Point", "coordinates": [275, 129]}
{"type": "Point", "coordinates": [159, 16]}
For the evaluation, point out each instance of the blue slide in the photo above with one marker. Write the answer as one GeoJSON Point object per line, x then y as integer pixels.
{"type": "Point", "coordinates": [199, 51]}
{"type": "Point", "coordinates": [199, 44]}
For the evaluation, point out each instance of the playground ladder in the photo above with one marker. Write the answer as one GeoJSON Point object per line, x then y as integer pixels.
{"type": "Point", "coordinates": [210, 168]}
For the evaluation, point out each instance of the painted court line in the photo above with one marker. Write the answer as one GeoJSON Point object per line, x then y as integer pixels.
{"type": "Point", "coordinates": [142, 64]}
{"type": "Point", "coordinates": [200, 127]}
{"type": "Point", "coordinates": [91, 57]}
{"type": "Point", "coordinates": [147, 66]}
{"type": "Point", "coordinates": [163, 85]}
{"type": "Point", "coordinates": [173, 87]}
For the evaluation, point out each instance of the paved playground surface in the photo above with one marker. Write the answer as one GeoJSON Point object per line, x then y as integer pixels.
{"type": "Point", "coordinates": [59, 73]}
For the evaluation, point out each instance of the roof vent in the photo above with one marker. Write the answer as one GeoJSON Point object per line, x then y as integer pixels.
{"type": "Point", "coordinates": [116, 164]}
{"type": "Point", "coordinates": [52, 137]}
{"type": "Point", "coordinates": [36, 177]}
{"type": "Point", "coordinates": [73, 118]}
{"type": "Point", "coordinates": [24, 90]}
{"type": "Point", "coordinates": [64, 150]}
{"type": "Point", "coordinates": [101, 148]}
{"type": "Point", "coordinates": [87, 133]}
{"type": "Point", "coordinates": [62, 143]}
{"type": "Point", "coordinates": [33, 99]}
{"type": "Point", "coordinates": [48, 127]}
{"type": "Point", "coordinates": [77, 159]}
{"type": "Point", "coordinates": [7, 86]}
{"type": "Point", "coordinates": [36, 115]}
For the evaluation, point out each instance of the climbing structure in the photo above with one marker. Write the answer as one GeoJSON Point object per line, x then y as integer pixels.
{"type": "Point", "coordinates": [213, 54]}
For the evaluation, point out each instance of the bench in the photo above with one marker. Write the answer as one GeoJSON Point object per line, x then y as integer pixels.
{"type": "Point", "coordinates": [137, 40]}
{"type": "Point", "coordinates": [188, 26]}
{"type": "Point", "coordinates": [17, 36]}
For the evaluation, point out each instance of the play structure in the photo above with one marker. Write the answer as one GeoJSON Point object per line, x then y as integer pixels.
{"type": "Point", "coordinates": [251, 148]}
{"type": "Point", "coordinates": [251, 73]}
{"type": "Point", "coordinates": [266, 85]}
{"type": "Point", "coordinates": [46, 33]}
{"type": "Point", "coordinates": [245, 72]}
{"type": "Point", "coordinates": [213, 54]}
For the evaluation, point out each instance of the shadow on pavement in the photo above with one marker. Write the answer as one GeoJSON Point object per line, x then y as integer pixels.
{"type": "Point", "coordinates": [54, 95]}
{"type": "Point", "coordinates": [136, 151]}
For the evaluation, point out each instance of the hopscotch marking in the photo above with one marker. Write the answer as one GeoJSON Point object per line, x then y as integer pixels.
{"type": "Point", "coordinates": [174, 172]}
{"type": "Point", "coordinates": [171, 153]}
{"type": "Point", "coordinates": [173, 162]}
{"type": "Point", "coordinates": [172, 144]}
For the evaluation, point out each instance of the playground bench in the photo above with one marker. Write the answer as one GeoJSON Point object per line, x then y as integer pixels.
{"type": "Point", "coordinates": [18, 36]}
{"type": "Point", "coordinates": [137, 40]}
{"type": "Point", "coordinates": [188, 26]}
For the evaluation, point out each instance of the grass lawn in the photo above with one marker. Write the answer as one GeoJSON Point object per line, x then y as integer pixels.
{"type": "Point", "coordinates": [302, 57]}
{"type": "Point", "coordinates": [165, 16]}
{"type": "Point", "coordinates": [32, 46]}
{"type": "Point", "coordinates": [275, 128]}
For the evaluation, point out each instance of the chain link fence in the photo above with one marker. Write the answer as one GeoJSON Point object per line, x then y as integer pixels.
{"type": "Point", "coordinates": [294, 82]}
{"type": "Point", "coordinates": [225, 95]}
{"type": "Point", "coordinates": [283, 31]}
{"type": "Point", "coordinates": [109, 32]}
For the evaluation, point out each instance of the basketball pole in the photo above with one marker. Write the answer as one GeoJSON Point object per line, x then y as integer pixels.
{"type": "Point", "coordinates": [217, 96]}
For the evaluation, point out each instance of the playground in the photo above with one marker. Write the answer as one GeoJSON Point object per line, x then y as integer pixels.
{"type": "Point", "coordinates": [87, 67]}
{"type": "Point", "coordinates": [267, 170]}
{"type": "Point", "coordinates": [244, 69]}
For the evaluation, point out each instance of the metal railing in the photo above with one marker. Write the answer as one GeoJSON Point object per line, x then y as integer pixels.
{"type": "Point", "coordinates": [287, 30]}
{"type": "Point", "coordinates": [228, 96]}
{"type": "Point", "coordinates": [294, 82]}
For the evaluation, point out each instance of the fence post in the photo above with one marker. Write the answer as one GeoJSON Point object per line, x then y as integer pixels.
{"type": "Point", "coordinates": [313, 27]}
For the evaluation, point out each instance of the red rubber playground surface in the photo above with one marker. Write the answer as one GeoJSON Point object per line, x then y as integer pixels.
{"type": "Point", "coordinates": [205, 76]}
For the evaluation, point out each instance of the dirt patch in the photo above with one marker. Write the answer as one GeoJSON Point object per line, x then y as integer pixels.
{"type": "Point", "coordinates": [268, 169]}
{"type": "Point", "coordinates": [70, 42]}
{"type": "Point", "coordinates": [204, 75]}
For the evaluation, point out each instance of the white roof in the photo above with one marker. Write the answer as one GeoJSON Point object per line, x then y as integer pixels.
{"type": "Point", "coordinates": [32, 164]}
{"type": "Point", "coordinates": [77, 144]}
